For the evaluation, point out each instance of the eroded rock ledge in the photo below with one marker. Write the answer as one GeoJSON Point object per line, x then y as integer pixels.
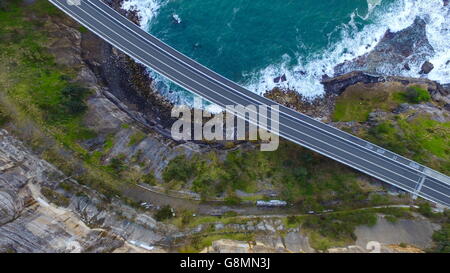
{"type": "Point", "coordinates": [337, 85]}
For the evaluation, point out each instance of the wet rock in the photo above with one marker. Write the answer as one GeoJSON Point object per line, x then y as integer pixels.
{"type": "Point", "coordinates": [427, 67]}
{"type": "Point", "coordinates": [338, 84]}
{"type": "Point", "coordinates": [394, 51]}
{"type": "Point", "coordinates": [280, 79]}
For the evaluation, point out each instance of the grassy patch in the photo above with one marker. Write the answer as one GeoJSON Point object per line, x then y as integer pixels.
{"type": "Point", "coordinates": [55, 197]}
{"type": "Point", "coordinates": [416, 94]}
{"type": "Point", "coordinates": [358, 101]}
{"type": "Point", "coordinates": [136, 138]}
{"type": "Point", "coordinates": [422, 139]}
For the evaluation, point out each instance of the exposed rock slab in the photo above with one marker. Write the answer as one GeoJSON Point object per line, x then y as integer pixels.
{"type": "Point", "coordinates": [412, 232]}
{"type": "Point", "coordinates": [396, 52]}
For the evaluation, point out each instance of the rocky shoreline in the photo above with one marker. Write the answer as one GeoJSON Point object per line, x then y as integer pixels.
{"type": "Point", "coordinates": [395, 52]}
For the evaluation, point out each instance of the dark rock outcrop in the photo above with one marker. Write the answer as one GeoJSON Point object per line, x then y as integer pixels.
{"type": "Point", "coordinates": [395, 52]}
{"type": "Point", "coordinates": [426, 68]}
{"type": "Point", "coordinates": [338, 84]}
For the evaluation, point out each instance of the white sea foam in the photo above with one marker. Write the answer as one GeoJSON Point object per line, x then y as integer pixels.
{"type": "Point", "coordinates": [147, 9]}
{"type": "Point", "coordinates": [305, 77]}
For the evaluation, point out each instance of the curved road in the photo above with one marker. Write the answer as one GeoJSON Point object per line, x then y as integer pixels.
{"type": "Point", "coordinates": [294, 126]}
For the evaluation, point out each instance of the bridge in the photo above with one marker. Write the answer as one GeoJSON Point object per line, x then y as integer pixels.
{"type": "Point", "coordinates": [301, 129]}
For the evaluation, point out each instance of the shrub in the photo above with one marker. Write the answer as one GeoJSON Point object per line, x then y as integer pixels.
{"type": "Point", "coordinates": [232, 200]}
{"type": "Point", "coordinates": [64, 105]}
{"type": "Point", "coordinates": [164, 213]}
{"type": "Point", "coordinates": [73, 97]}
{"type": "Point", "coordinates": [416, 94]}
{"type": "Point", "coordinates": [136, 138]}
{"type": "Point", "coordinates": [117, 165]}
{"type": "Point", "coordinates": [178, 169]}
{"type": "Point", "coordinates": [4, 118]}
{"type": "Point", "coordinates": [425, 209]}
{"type": "Point", "coordinates": [391, 219]}
{"type": "Point", "coordinates": [441, 239]}
{"type": "Point", "coordinates": [55, 197]}
{"type": "Point", "coordinates": [149, 179]}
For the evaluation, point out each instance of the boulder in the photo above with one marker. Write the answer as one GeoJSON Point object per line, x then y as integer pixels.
{"type": "Point", "coordinates": [426, 68]}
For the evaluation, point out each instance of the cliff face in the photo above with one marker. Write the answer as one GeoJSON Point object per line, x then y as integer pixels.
{"type": "Point", "coordinates": [28, 223]}
{"type": "Point", "coordinates": [124, 105]}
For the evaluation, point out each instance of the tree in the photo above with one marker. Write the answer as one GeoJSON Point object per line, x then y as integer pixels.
{"type": "Point", "coordinates": [164, 213]}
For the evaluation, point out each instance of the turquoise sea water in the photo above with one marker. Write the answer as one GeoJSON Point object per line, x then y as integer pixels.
{"type": "Point", "coordinates": [240, 37]}
{"type": "Point", "coordinates": [254, 41]}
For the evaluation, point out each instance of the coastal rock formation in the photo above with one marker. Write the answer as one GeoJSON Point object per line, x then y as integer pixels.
{"type": "Point", "coordinates": [338, 84]}
{"type": "Point", "coordinates": [426, 68]}
{"type": "Point", "coordinates": [396, 51]}
{"type": "Point", "coordinates": [37, 216]}
{"type": "Point", "coordinates": [27, 222]}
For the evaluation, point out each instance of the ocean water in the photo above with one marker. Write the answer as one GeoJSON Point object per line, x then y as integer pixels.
{"type": "Point", "coordinates": [254, 41]}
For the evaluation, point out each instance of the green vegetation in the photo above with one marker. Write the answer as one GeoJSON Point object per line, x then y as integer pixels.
{"type": "Point", "coordinates": [338, 228]}
{"type": "Point", "coordinates": [356, 103]}
{"type": "Point", "coordinates": [136, 138]}
{"type": "Point", "coordinates": [300, 175]}
{"type": "Point", "coordinates": [164, 213]}
{"type": "Point", "coordinates": [4, 118]}
{"type": "Point", "coordinates": [335, 229]}
{"type": "Point", "coordinates": [55, 197]}
{"type": "Point", "coordinates": [179, 168]}
{"type": "Point", "coordinates": [391, 219]}
{"type": "Point", "coordinates": [43, 100]}
{"type": "Point", "coordinates": [40, 89]}
{"type": "Point", "coordinates": [414, 136]}
{"type": "Point", "coordinates": [422, 139]}
{"type": "Point", "coordinates": [117, 165]}
{"type": "Point", "coordinates": [416, 94]}
{"type": "Point", "coordinates": [442, 239]}
{"type": "Point", "coordinates": [148, 179]}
